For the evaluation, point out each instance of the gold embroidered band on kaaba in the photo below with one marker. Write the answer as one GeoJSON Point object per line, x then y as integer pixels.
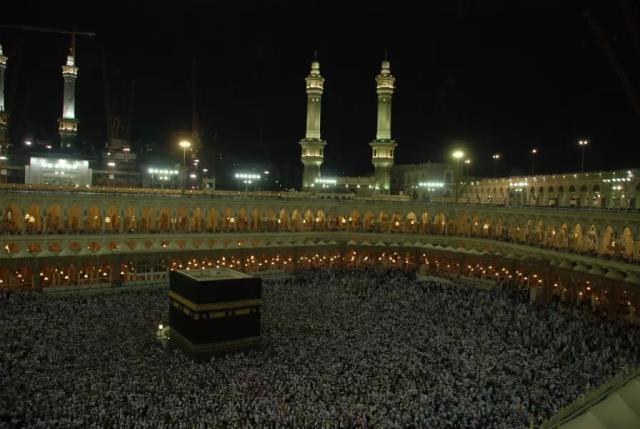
{"type": "Point", "coordinates": [227, 305]}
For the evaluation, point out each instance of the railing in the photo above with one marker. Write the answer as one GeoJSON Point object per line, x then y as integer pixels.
{"type": "Point", "coordinates": [590, 398]}
{"type": "Point", "coordinates": [220, 194]}
{"type": "Point", "coordinates": [76, 189]}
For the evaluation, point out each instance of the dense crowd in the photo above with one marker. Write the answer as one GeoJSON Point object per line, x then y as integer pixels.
{"type": "Point", "coordinates": [340, 349]}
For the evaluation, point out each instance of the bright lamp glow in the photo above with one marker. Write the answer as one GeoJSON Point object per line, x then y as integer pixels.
{"type": "Point", "coordinates": [247, 176]}
{"type": "Point", "coordinates": [458, 154]}
{"type": "Point", "coordinates": [185, 144]}
{"type": "Point", "coordinates": [326, 181]}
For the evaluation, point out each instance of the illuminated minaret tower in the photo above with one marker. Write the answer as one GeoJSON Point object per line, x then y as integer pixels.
{"type": "Point", "coordinates": [383, 146]}
{"type": "Point", "coordinates": [3, 113]}
{"type": "Point", "coordinates": [68, 123]}
{"type": "Point", "coordinates": [312, 144]}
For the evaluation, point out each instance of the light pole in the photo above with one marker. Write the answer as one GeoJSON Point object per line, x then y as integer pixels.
{"type": "Point", "coordinates": [534, 151]}
{"type": "Point", "coordinates": [184, 144]}
{"type": "Point", "coordinates": [457, 155]}
{"type": "Point", "coordinates": [247, 179]}
{"type": "Point", "coordinates": [467, 167]}
{"type": "Point", "coordinates": [583, 144]}
{"type": "Point", "coordinates": [496, 158]}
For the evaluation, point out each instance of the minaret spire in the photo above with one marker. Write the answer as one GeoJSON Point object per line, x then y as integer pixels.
{"type": "Point", "coordinates": [312, 144]}
{"type": "Point", "coordinates": [383, 146]}
{"type": "Point", "coordinates": [68, 128]}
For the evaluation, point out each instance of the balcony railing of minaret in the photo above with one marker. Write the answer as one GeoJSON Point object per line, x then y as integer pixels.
{"type": "Point", "coordinates": [385, 83]}
{"type": "Point", "coordinates": [70, 69]}
{"type": "Point", "coordinates": [313, 83]}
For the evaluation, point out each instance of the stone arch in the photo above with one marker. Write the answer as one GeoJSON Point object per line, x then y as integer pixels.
{"type": "Point", "coordinates": [487, 227]}
{"type": "Point", "coordinates": [147, 220]}
{"type": "Point", "coordinates": [368, 221]}
{"type": "Point", "coordinates": [628, 244]}
{"type": "Point", "coordinates": [165, 220]}
{"type": "Point", "coordinates": [577, 237]}
{"type": "Point", "coordinates": [439, 223]}
{"type": "Point", "coordinates": [562, 236]}
{"type": "Point", "coordinates": [54, 221]}
{"type": "Point", "coordinates": [12, 219]}
{"type": "Point", "coordinates": [462, 226]}
{"type": "Point", "coordinates": [197, 220]}
{"type": "Point", "coordinates": [254, 220]}
{"type": "Point", "coordinates": [499, 230]}
{"type": "Point", "coordinates": [529, 231]}
{"type": "Point", "coordinates": [396, 222]}
{"type": "Point", "coordinates": [212, 220]}
{"type": "Point", "coordinates": [33, 219]}
{"type": "Point", "coordinates": [242, 222]}
{"type": "Point", "coordinates": [591, 240]}
{"type": "Point", "coordinates": [130, 220]}
{"type": "Point", "coordinates": [411, 224]}
{"type": "Point", "coordinates": [541, 196]}
{"type": "Point", "coordinates": [383, 221]}
{"type": "Point", "coordinates": [75, 219]}
{"type": "Point", "coordinates": [320, 220]}
{"type": "Point", "coordinates": [228, 220]}
{"type": "Point", "coordinates": [476, 225]}
{"type": "Point", "coordinates": [425, 222]}
{"type": "Point", "coordinates": [355, 220]}
{"type": "Point", "coordinates": [296, 220]}
{"type": "Point", "coordinates": [94, 219]}
{"type": "Point", "coordinates": [182, 219]}
{"type": "Point", "coordinates": [113, 219]}
{"type": "Point", "coordinates": [562, 196]}
{"type": "Point", "coordinates": [533, 198]}
{"type": "Point", "coordinates": [270, 219]}
{"type": "Point", "coordinates": [283, 220]}
{"type": "Point", "coordinates": [307, 220]}
{"type": "Point", "coordinates": [608, 243]}
{"type": "Point", "coordinates": [538, 232]}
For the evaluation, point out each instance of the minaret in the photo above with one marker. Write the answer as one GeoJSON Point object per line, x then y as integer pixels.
{"type": "Point", "coordinates": [383, 146]}
{"type": "Point", "coordinates": [3, 114]}
{"type": "Point", "coordinates": [312, 144]}
{"type": "Point", "coordinates": [68, 123]}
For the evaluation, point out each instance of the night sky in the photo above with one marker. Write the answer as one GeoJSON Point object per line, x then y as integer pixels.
{"type": "Point", "coordinates": [488, 76]}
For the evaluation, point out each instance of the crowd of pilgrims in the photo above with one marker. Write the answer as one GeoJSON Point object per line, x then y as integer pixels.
{"type": "Point", "coordinates": [339, 349]}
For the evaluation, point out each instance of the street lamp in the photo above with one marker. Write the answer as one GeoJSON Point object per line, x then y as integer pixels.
{"type": "Point", "coordinates": [457, 155]}
{"type": "Point", "coordinates": [467, 166]}
{"type": "Point", "coordinates": [583, 144]}
{"type": "Point", "coordinates": [184, 144]}
{"type": "Point", "coordinates": [496, 158]}
{"type": "Point", "coordinates": [534, 151]}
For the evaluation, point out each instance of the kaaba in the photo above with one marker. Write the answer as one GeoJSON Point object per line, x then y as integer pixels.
{"type": "Point", "coordinates": [214, 311]}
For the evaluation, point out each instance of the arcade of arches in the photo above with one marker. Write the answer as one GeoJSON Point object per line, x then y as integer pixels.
{"type": "Point", "coordinates": [610, 234]}
{"type": "Point", "coordinates": [48, 241]}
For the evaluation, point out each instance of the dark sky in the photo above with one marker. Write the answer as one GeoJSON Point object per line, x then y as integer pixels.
{"type": "Point", "coordinates": [488, 75]}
